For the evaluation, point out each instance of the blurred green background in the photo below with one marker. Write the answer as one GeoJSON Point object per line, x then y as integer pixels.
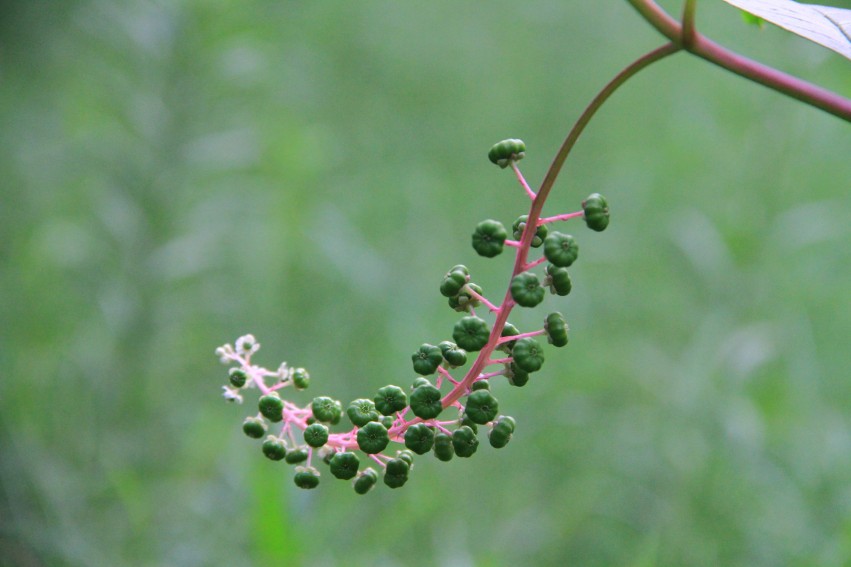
{"type": "Point", "coordinates": [175, 174]}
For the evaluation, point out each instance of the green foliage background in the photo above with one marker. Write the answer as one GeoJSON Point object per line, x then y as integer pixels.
{"type": "Point", "coordinates": [175, 174]}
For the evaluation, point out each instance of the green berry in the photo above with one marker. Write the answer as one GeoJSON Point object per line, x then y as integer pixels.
{"type": "Point", "coordinates": [516, 376]}
{"type": "Point", "coordinates": [528, 354]}
{"type": "Point", "coordinates": [561, 249]}
{"type": "Point", "coordinates": [443, 448]}
{"type": "Point", "coordinates": [296, 456]}
{"type": "Point", "coordinates": [489, 238]}
{"type": "Point", "coordinates": [301, 378]}
{"type": "Point", "coordinates": [465, 300]}
{"type": "Point", "coordinates": [387, 421]}
{"type": "Point", "coordinates": [480, 385]}
{"type": "Point", "coordinates": [464, 441]}
{"type": "Point", "coordinates": [237, 377]}
{"type": "Point", "coordinates": [316, 435]}
{"type": "Point", "coordinates": [327, 410]}
{"type": "Point", "coordinates": [306, 477]}
{"type": "Point", "coordinates": [427, 359]}
{"type": "Point", "coordinates": [465, 420]}
{"type": "Point", "coordinates": [526, 290]}
{"type": "Point", "coordinates": [506, 151]}
{"type": "Point", "coordinates": [271, 406]}
{"type": "Point", "coordinates": [425, 402]}
{"type": "Point", "coordinates": [501, 433]}
{"type": "Point", "coordinates": [556, 328]}
{"type": "Point", "coordinates": [419, 438]}
{"type": "Point", "coordinates": [558, 280]}
{"type": "Point", "coordinates": [471, 333]}
{"type": "Point", "coordinates": [406, 456]}
{"type": "Point", "coordinates": [481, 407]}
{"type": "Point", "coordinates": [254, 427]}
{"type": "Point", "coordinates": [453, 354]}
{"type": "Point", "coordinates": [365, 481]}
{"type": "Point", "coordinates": [420, 381]}
{"type": "Point", "coordinates": [362, 411]}
{"type": "Point", "coordinates": [396, 473]}
{"type": "Point", "coordinates": [596, 210]}
{"type": "Point", "coordinates": [508, 330]}
{"type": "Point", "coordinates": [452, 283]}
{"type": "Point", "coordinates": [390, 399]}
{"type": "Point", "coordinates": [344, 465]}
{"type": "Point", "coordinates": [372, 438]}
{"type": "Point", "coordinates": [274, 448]}
{"type": "Point", "coordinates": [520, 225]}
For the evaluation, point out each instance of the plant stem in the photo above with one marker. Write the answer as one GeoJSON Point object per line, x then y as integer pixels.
{"type": "Point", "coordinates": [686, 37]}
{"type": "Point", "coordinates": [535, 213]}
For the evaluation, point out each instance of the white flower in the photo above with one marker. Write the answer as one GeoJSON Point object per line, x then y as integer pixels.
{"type": "Point", "coordinates": [283, 372]}
{"type": "Point", "coordinates": [225, 354]}
{"type": "Point", "coordinates": [247, 345]}
{"type": "Point", "coordinates": [231, 394]}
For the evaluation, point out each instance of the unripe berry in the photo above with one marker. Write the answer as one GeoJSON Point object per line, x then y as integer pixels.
{"type": "Point", "coordinates": [489, 238]}
{"type": "Point", "coordinates": [506, 151]}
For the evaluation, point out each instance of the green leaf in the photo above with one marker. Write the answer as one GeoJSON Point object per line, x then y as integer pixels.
{"type": "Point", "coordinates": [825, 25]}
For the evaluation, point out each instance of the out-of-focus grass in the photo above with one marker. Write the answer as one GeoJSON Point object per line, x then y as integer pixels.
{"type": "Point", "coordinates": [176, 174]}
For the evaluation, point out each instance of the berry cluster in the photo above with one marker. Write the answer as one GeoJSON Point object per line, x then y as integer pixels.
{"type": "Point", "coordinates": [425, 419]}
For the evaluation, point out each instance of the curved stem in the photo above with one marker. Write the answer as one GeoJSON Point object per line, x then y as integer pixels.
{"type": "Point", "coordinates": [535, 214]}
{"type": "Point", "coordinates": [686, 37]}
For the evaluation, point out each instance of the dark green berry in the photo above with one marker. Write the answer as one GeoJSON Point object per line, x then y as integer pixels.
{"type": "Point", "coordinates": [465, 420]}
{"type": "Point", "coordinates": [508, 330]}
{"type": "Point", "coordinates": [528, 354]}
{"type": "Point", "coordinates": [362, 411]}
{"type": "Point", "coordinates": [271, 406]}
{"type": "Point", "coordinates": [500, 434]}
{"type": "Point", "coordinates": [427, 359]}
{"type": "Point", "coordinates": [516, 376]}
{"type": "Point", "coordinates": [480, 385]}
{"type": "Point", "coordinates": [526, 290]}
{"type": "Point", "coordinates": [396, 473]}
{"type": "Point", "coordinates": [372, 438]}
{"type": "Point", "coordinates": [274, 448]}
{"type": "Point", "coordinates": [452, 283]}
{"type": "Point", "coordinates": [481, 407]}
{"type": "Point", "coordinates": [301, 378]}
{"type": "Point", "coordinates": [504, 152]}
{"type": "Point", "coordinates": [464, 441]}
{"type": "Point", "coordinates": [306, 477]}
{"type": "Point", "coordinates": [406, 456]}
{"type": "Point", "coordinates": [344, 465]}
{"type": "Point", "coordinates": [420, 381]}
{"type": "Point", "coordinates": [596, 210]}
{"type": "Point", "coordinates": [465, 300]}
{"type": "Point", "coordinates": [453, 354]}
{"type": "Point", "coordinates": [561, 249]}
{"type": "Point", "coordinates": [558, 280]}
{"type": "Point", "coordinates": [443, 448]}
{"type": "Point", "coordinates": [365, 481]}
{"type": "Point", "coordinates": [390, 399]}
{"type": "Point", "coordinates": [296, 456]}
{"type": "Point", "coordinates": [237, 377]}
{"type": "Point", "coordinates": [316, 435]}
{"type": "Point", "coordinates": [254, 427]}
{"type": "Point", "coordinates": [387, 421]}
{"type": "Point", "coordinates": [425, 402]}
{"type": "Point", "coordinates": [556, 328]}
{"type": "Point", "coordinates": [327, 410]}
{"type": "Point", "coordinates": [419, 438]}
{"type": "Point", "coordinates": [471, 333]}
{"type": "Point", "coordinates": [520, 225]}
{"type": "Point", "coordinates": [489, 238]}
